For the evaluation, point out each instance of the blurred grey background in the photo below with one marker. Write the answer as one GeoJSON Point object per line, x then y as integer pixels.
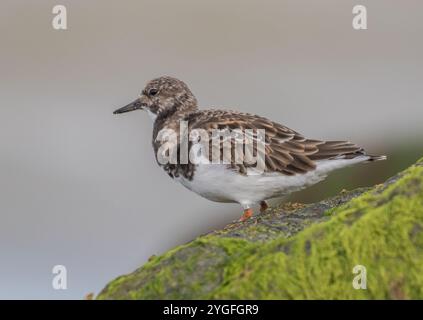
{"type": "Point", "coordinates": [80, 187]}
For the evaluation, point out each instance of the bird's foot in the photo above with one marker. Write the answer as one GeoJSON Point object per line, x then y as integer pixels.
{"type": "Point", "coordinates": [247, 215]}
{"type": "Point", "coordinates": [263, 206]}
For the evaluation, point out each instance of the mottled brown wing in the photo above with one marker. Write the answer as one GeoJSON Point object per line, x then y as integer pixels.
{"type": "Point", "coordinates": [286, 150]}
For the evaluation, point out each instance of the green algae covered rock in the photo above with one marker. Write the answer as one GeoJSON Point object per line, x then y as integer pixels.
{"type": "Point", "coordinates": [300, 252]}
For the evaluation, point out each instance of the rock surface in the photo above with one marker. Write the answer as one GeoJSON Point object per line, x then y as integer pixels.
{"type": "Point", "coordinates": [300, 252]}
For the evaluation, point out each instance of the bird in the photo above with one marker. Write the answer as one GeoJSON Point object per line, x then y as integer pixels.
{"type": "Point", "coordinates": [290, 162]}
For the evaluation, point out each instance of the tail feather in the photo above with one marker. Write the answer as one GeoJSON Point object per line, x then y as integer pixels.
{"type": "Point", "coordinates": [376, 158]}
{"type": "Point", "coordinates": [333, 150]}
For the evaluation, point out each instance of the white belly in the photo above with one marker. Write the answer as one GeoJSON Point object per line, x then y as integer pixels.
{"type": "Point", "coordinates": [218, 183]}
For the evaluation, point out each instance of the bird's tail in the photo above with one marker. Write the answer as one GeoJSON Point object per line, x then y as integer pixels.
{"type": "Point", "coordinates": [376, 158]}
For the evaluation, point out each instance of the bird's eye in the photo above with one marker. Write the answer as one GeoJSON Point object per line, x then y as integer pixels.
{"type": "Point", "coordinates": [152, 92]}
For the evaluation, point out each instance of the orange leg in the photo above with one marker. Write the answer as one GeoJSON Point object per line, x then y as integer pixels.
{"type": "Point", "coordinates": [247, 214]}
{"type": "Point", "coordinates": [263, 206]}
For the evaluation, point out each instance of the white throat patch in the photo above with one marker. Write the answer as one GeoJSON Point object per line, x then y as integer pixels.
{"type": "Point", "coordinates": [152, 115]}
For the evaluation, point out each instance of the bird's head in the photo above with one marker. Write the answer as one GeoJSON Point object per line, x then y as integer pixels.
{"type": "Point", "coordinates": [162, 95]}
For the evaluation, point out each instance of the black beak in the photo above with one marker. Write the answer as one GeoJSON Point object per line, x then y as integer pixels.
{"type": "Point", "coordinates": [134, 105]}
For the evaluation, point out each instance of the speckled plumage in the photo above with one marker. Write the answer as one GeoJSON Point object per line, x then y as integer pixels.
{"type": "Point", "coordinates": [287, 153]}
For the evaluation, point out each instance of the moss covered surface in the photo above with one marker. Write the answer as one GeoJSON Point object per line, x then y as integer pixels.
{"type": "Point", "coordinates": [300, 252]}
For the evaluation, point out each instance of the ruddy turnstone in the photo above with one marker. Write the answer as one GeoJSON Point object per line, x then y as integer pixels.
{"type": "Point", "coordinates": [291, 162]}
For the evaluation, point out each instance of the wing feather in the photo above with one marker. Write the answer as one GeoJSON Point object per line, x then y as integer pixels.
{"type": "Point", "coordinates": [286, 151]}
